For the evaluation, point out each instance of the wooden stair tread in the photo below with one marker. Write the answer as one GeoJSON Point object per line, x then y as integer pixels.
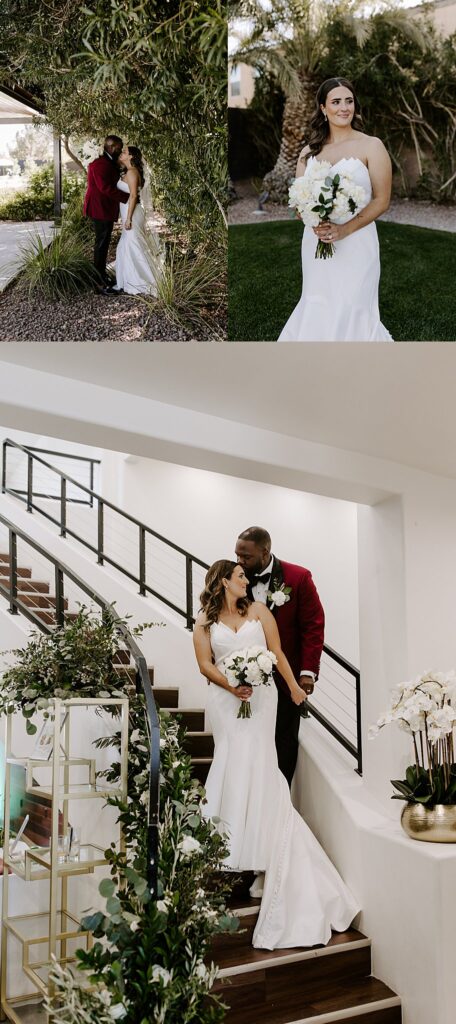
{"type": "Point", "coordinates": [289, 1006]}
{"type": "Point", "coordinates": [236, 950]}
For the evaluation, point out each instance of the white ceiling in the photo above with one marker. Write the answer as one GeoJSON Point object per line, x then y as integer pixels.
{"type": "Point", "coordinates": [395, 402]}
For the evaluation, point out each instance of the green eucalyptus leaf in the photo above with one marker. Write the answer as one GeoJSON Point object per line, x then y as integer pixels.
{"type": "Point", "coordinates": [106, 887]}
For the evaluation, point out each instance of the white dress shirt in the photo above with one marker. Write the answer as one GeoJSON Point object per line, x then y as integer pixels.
{"type": "Point", "coordinates": [260, 593]}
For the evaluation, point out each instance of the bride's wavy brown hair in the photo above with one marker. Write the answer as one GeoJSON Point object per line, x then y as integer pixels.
{"type": "Point", "coordinates": [137, 161]}
{"type": "Point", "coordinates": [319, 128]}
{"type": "Point", "coordinates": [213, 595]}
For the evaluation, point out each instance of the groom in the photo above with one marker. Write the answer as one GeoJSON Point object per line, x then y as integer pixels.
{"type": "Point", "coordinates": [290, 593]}
{"type": "Point", "coordinates": [101, 204]}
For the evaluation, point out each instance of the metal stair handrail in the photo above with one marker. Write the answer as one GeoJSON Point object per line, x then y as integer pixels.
{"type": "Point", "coordinates": [142, 678]}
{"type": "Point", "coordinates": [355, 749]}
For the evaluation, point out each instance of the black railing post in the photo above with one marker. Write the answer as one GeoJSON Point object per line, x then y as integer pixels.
{"type": "Point", "coordinates": [13, 572]}
{"type": "Point", "coordinates": [59, 597]}
{"type": "Point", "coordinates": [142, 561]}
{"type": "Point", "coordinates": [30, 483]}
{"type": "Point", "coordinates": [359, 734]}
{"type": "Point", "coordinates": [189, 591]}
{"type": "Point", "coordinates": [63, 509]}
{"type": "Point", "coordinates": [91, 483]}
{"type": "Point", "coordinates": [4, 468]}
{"type": "Point", "coordinates": [100, 543]}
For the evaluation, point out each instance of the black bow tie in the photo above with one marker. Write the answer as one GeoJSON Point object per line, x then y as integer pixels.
{"type": "Point", "coordinates": [260, 579]}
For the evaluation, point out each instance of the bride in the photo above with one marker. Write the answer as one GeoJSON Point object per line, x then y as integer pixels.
{"type": "Point", "coordinates": [339, 299]}
{"type": "Point", "coordinates": [136, 264]}
{"type": "Point", "coordinates": [304, 898]}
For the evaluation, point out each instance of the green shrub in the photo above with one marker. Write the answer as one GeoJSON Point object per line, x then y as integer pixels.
{"type": "Point", "coordinates": [37, 201]}
{"type": "Point", "coordinates": [58, 270]}
{"type": "Point", "coordinates": [191, 290]}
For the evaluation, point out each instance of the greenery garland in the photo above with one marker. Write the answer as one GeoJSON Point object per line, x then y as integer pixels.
{"type": "Point", "coordinates": [152, 961]}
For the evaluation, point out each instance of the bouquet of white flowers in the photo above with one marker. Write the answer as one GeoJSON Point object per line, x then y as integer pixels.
{"type": "Point", "coordinates": [250, 667]}
{"type": "Point", "coordinates": [320, 196]}
{"type": "Point", "coordinates": [425, 708]}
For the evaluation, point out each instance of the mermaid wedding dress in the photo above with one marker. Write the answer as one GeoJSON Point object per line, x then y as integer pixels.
{"type": "Point", "coordinates": [339, 300]}
{"type": "Point", "coordinates": [138, 253]}
{"type": "Point", "coordinates": [304, 897]}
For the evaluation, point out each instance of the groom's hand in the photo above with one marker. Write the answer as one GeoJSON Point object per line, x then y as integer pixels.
{"type": "Point", "coordinates": [307, 684]}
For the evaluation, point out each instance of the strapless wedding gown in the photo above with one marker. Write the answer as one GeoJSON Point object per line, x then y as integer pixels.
{"type": "Point", "coordinates": [138, 253]}
{"type": "Point", "coordinates": [339, 300]}
{"type": "Point", "coordinates": [304, 897]}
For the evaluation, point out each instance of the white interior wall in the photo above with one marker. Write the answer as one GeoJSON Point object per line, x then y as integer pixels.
{"type": "Point", "coordinates": [205, 512]}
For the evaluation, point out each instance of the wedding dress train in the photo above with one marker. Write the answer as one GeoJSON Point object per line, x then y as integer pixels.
{"type": "Point", "coordinates": [339, 300]}
{"type": "Point", "coordinates": [304, 897]}
{"type": "Point", "coordinates": [138, 253]}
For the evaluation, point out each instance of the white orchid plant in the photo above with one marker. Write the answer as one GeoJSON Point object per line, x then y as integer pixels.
{"type": "Point", "coordinates": [425, 708]}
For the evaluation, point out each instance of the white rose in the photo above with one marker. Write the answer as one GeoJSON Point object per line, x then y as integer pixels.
{"type": "Point", "coordinates": [253, 674]}
{"type": "Point", "coordinates": [265, 663]}
{"type": "Point", "coordinates": [189, 845]}
{"type": "Point", "coordinates": [160, 974]}
{"type": "Point", "coordinates": [162, 906]}
{"type": "Point", "coordinates": [117, 1011]}
{"type": "Point", "coordinates": [279, 598]}
{"type": "Point", "coordinates": [134, 925]}
{"type": "Point", "coordinates": [201, 971]}
{"type": "Point", "coordinates": [135, 736]}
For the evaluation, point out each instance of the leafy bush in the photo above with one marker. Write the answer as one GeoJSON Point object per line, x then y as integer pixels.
{"type": "Point", "coordinates": [191, 290]}
{"type": "Point", "coordinates": [57, 270]}
{"type": "Point", "coordinates": [37, 201]}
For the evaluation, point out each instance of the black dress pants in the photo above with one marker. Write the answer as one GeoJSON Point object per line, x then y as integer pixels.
{"type": "Point", "coordinates": [286, 737]}
{"type": "Point", "coordinates": [103, 232]}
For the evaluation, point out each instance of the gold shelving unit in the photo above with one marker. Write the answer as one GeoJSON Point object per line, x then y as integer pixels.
{"type": "Point", "coordinates": [54, 932]}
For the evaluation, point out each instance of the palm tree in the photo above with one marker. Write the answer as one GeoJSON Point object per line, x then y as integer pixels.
{"type": "Point", "coordinates": [288, 39]}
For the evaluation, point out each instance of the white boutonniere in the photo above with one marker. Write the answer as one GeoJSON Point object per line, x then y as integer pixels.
{"type": "Point", "coordinates": [276, 598]}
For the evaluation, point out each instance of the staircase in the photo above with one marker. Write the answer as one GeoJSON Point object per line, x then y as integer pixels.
{"type": "Point", "coordinates": [320, 985]}
{"type": "Point", "coordinates": [34, 593]}
{"type": "Point", "coordinates": [289, 986]}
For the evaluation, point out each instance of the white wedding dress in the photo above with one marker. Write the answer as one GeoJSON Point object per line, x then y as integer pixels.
{"type": "Point", "coordinates": [304, 897]}
{"type": "Point", "coordinates": [339, 300]}
{"type": "Point", "coordinates": [138, 253]}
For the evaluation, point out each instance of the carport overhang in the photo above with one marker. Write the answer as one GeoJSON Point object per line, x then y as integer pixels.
{"type": "Point", "coordinates": [17, 106]}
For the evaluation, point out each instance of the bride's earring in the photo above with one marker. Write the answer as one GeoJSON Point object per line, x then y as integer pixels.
{"type": "Point", "coordinates": [325, 116]}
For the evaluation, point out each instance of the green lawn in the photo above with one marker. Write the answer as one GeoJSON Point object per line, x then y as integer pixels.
{"type": "Point", "coordinates": [417, 287]}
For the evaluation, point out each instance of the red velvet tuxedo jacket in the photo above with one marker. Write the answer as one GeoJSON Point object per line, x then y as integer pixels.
{"type": "Point", "coordinates": [102, 198]}
{"type": "Point", "coordinates": [300, 621]}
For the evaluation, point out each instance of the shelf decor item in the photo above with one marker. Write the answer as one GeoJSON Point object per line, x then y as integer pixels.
{"type": "Point", "coordinates": [52, 937]}
{"type": "Point", "coordinates": [425, 708]}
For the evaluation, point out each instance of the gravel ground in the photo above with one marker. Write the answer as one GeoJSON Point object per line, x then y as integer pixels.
{"type": "Point", "coordinates": [244, 210]}
{"type": "Point", "coordinates": [89, 316]}
{"type": "Point", "coordinates": [86, 317]}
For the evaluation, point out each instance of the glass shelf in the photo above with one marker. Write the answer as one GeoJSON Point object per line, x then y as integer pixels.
{"type": "Point", "coordinates": [90, 856]}
{"type": "Point", "coordinates": [32, 928]}
{"type": "Point", "coordinates": [81, 791]}
{"type": "Point", "coordinates": [35, 863]}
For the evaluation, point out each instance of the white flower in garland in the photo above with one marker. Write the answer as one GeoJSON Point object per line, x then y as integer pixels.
{"type": "Point", "coordinates": [117, 1011]}
{"type": "Point", "coordinates": [188, 845]}
{"type": "Point", "coordinates": [160, 974]}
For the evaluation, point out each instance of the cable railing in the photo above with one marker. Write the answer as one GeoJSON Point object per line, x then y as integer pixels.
{"type": "Point", "coordinates": [83, 460]}
{"type": "Point", "coordinates": [170, 574]}
{"type": "Point", "coordinates": [144, 574]}
{"type": "Point", "coordinates": [13, 576]}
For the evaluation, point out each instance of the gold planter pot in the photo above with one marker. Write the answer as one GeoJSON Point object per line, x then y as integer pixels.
{"type": "Point", "coordinates": [430, 824]}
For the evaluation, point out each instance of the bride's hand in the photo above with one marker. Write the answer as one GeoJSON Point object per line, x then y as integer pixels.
{"type": "Point", "coordinates": [243, 692]}
{"type": "Point", "coordinates": [328, 232]}
{"type": "Point", "coordinates": [298, 695]}
{"type": "Point", "coordinates": [128, 224]}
